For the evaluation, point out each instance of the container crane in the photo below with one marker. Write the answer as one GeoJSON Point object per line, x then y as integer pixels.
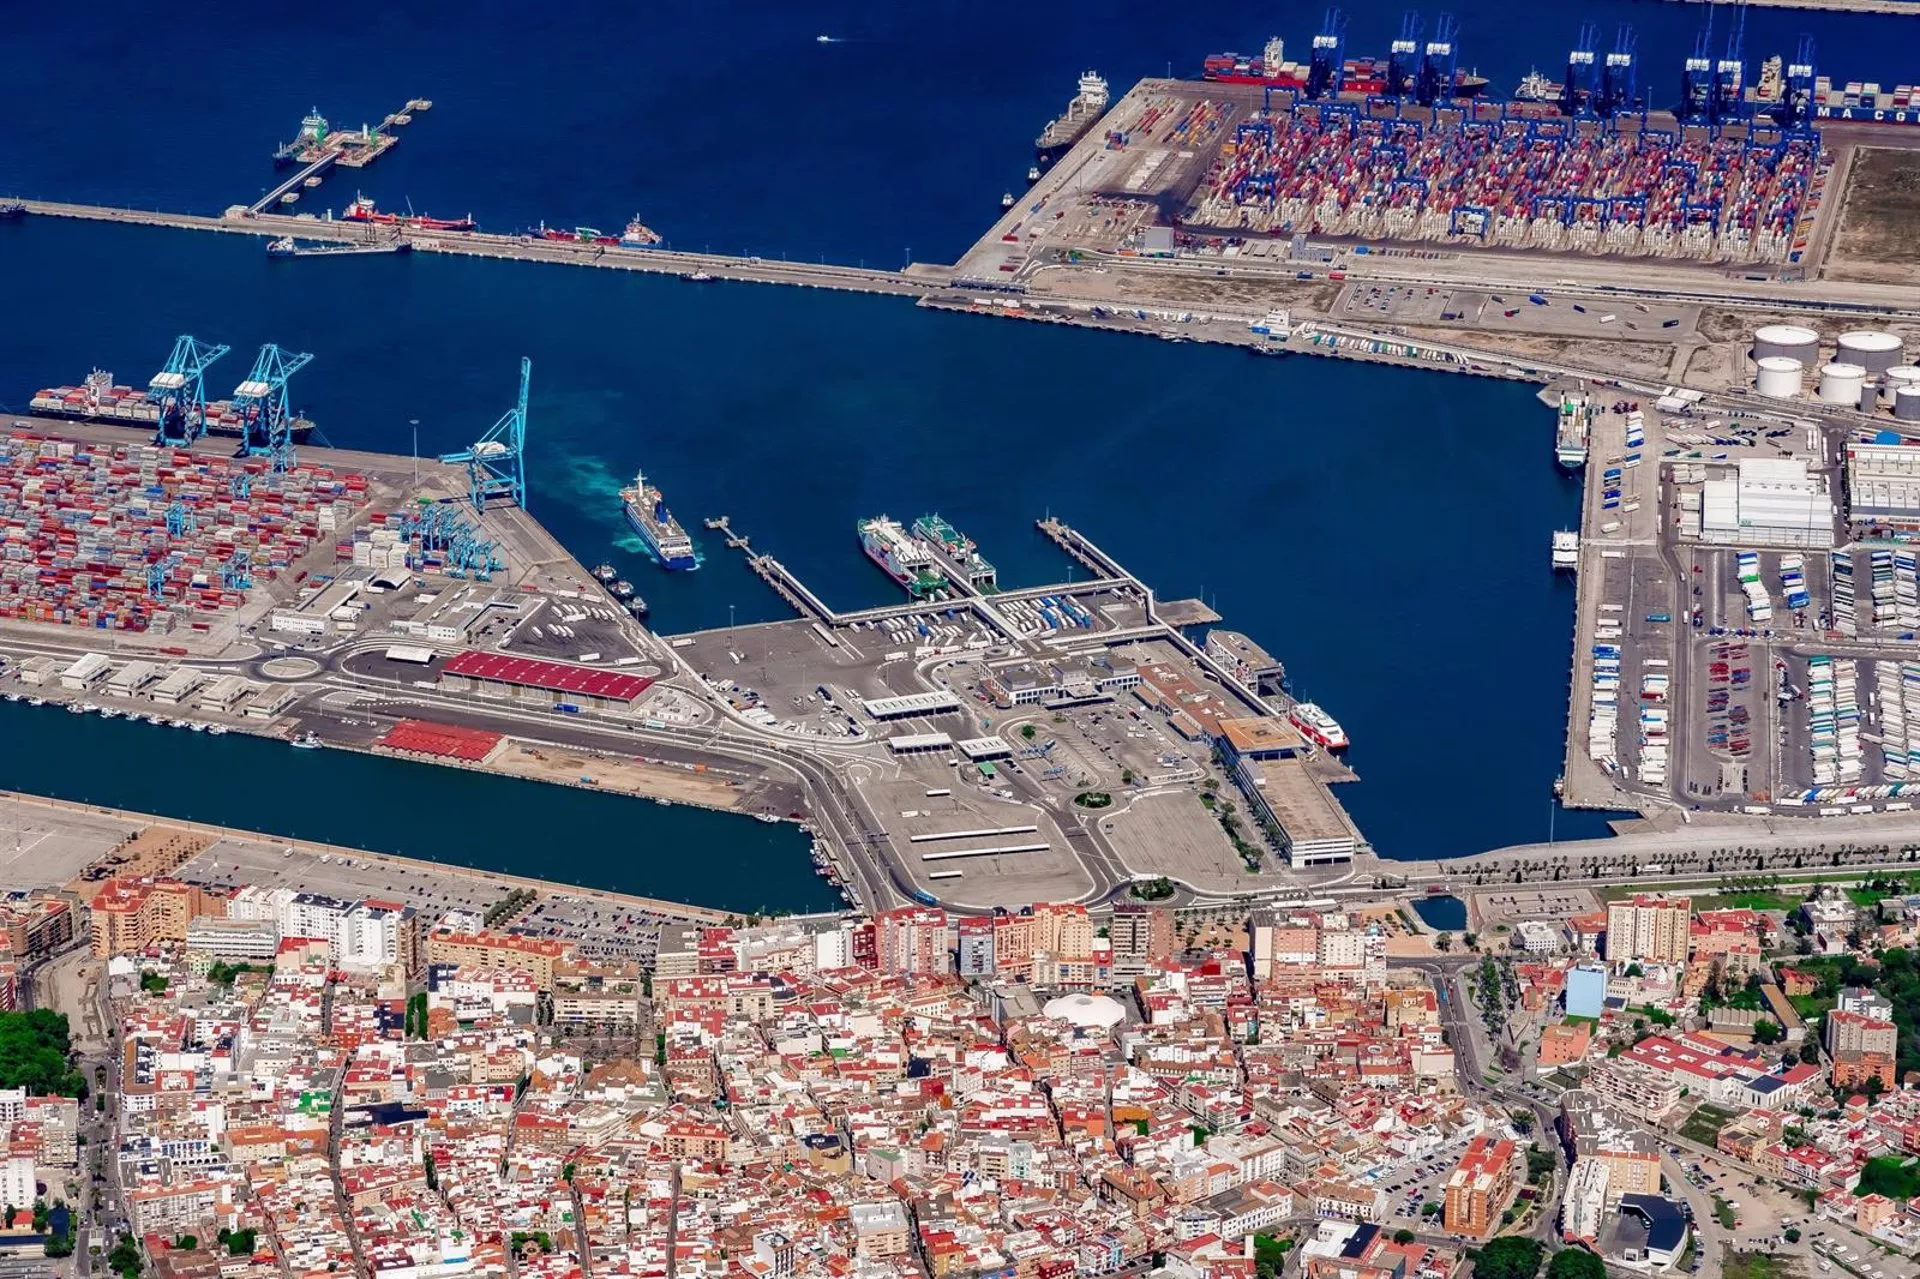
{"type": "Point", "coordinates": [1578, 96]}
{"type": "Point", "coordinates": [1439, 66]}
{"type": "Point", "coordinates": [1326, 66]}
{"type": "Point", "coordinates": [1402, 70]}
{"type": "Point", "coordinates": [1730, 72]}
{"type": "Point", "coordinates": [181, 392]}
{"type": "Point", "coordinates": [1619, 90]}
{"type": "Point", "coordinates": [494, 462]}
{"type": "Point", "coordinates": [1797, 107]}
{"type": "Point", "coordinates": [1696, 78]}
{"type": "Point", "coordinates": [261, 401]}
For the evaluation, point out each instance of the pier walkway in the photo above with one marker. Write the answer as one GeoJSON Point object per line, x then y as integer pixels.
{"type": "Point", "coordinates": [914, 280]}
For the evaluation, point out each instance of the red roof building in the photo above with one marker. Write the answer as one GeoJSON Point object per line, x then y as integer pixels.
{"type": "Point", "coordinates": [552, 677]}
{"type": "Point", "coordinates": [443, 741]}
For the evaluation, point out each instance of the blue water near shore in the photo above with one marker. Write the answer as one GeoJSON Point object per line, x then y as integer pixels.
{"type": "Point", "coordinates": [1383, 531]}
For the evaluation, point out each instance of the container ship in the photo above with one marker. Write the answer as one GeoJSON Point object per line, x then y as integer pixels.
{"type": "Point", "coordinates": [899, 556]}
{"type": "Point", "coordinates": [98, 399]}
{"type": "Point", "coordinates": [1358, 75]}
{"type": "Point", "coordinates": [1081, 115]}
{"type": "Point", "coordinates": [362, 210]}
{"type": "Point", "coordinates": [1319, 727]}
{"type": "Point", "coordinates": [647, 513]}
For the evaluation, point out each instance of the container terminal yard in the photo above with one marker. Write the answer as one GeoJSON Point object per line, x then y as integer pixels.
{"type": "Point", "coordinates": [1717, 298]}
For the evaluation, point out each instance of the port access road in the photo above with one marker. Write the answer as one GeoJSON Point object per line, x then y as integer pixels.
{"type": "Point", "coordinates": [912, 280]}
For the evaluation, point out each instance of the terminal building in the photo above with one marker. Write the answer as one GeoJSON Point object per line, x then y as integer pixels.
{"type": "Point", "coordinates": [1269, 761]}
{"type": "Point", "coordinates": [542, 682]}
{"type": "Point", "coordinates": [1246, 661]}
{"type": "Point", "coordinates": [1062, 683]}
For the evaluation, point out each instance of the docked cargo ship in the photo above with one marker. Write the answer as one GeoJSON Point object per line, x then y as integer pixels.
{"type": "Point", "coordinates": [1571, 435]}
{"type": "Point", "coordinates": [899, 556]}
{"type": "Point", "coordinates": [98, 399]}
{"type": "Point", "coordinates": [1537, 88]}
{"type": "Point", "coordinates": [362, 210]}
{"type": "Point", "coordinates": [1865, 102]}
{"type": "Point", "coordinates": [1081, 115]}
{"type": "Point", "coordinates": [1357, 75]}
{"type": "Point", "coordinates": [647, 513]}
{"type": "Point", "coordinates": [1319, 727]}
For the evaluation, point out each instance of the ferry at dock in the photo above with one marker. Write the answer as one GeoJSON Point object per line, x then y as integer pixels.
{"type": "Point", "coordinates": [1566, 551]}
{"type": "Point", "coordinates": [1318, 726]}
{"type": "Point", "coordinates": [1571, 436]}
{"type": "Point", "coordinates": [900, 556]}
{"type": "Point", "coordinates": [647, 513]}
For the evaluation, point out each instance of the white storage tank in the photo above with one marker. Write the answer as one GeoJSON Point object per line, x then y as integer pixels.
{"type": "Point", "coordinates": [1842, 384]}
{"type": "Point", "coordinates": [1896, 377]}
{"type": "Point", "coordinates": [1874, 350]}
{"type": "Point", "coordinates": [1788, 340]}
{"type": "Point", "coordinates": [1780, 377]}
{"type": "Point", "coordinates": [1906, 404]}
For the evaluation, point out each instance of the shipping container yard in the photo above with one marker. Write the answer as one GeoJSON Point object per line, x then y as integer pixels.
{"type": "Point", "coordinates": [1518, 183]}
{"type": "Point", "coordinates": [142, 538]}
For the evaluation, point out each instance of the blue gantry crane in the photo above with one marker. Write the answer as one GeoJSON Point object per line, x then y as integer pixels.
{"type": "Point", "coordinates": [181, 392]}
{"type": "Point", "coordinates": [1327, 64]}
{"type": "Point", "coordinates": [236, 574]}
{"type": "Point", "coordinates": [1730, 72]}
{"type": "Point", "coordinates": [495, 463]}
{"type": "Point", "coordinates": [1439, 81]}
{"type": "Point", "coordinates": [1797, 107]}
{"type": "Point", "coordinates": [1402, 59]}
{"type": "Point", "coordinates": [266, 423]}
{"type": "Point", "coordinates": [1577, 94]}
{"type": "Point", "coordinates": [1619, 91]}
{"type": "Point", "coordinates": [1696, 78]}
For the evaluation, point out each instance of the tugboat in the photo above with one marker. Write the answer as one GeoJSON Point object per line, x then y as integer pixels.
{"type": "Point", "coordinates": [638, 606]}
{"type": "Point", "coordinates": [307, 742]}
{"type": "Point", "coordinates": [1006, 201]}
{"type": "Point", "coordinates": [1033, 173]}
{"type": "Point", "coordinates": [697, 277]}
{"type": "Point", "coordinates": [281, 248]}
{"type": "Point", "coordinates": [605, 574]}
{"type": "Point", "coordinates": [12, 209]}
{"type": "Point", "coordinates": [621, 590]}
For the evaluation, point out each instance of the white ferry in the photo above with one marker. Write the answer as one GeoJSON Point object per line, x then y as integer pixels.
{"type": "Point", "coordinates": [1566, 551]}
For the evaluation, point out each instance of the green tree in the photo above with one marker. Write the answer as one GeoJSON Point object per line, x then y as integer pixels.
{"type": "Point", "coordinates": [1634, 970]}
{"type": "Point", "coordinates": [1443, 942]}
{"type": "Point", "coordinates": [1767, 1032]}
{"type": "Point", "coordinates": [1810, 1048]}
{"type": "Point", "coordinates": [186, 1243]}
{"type": "Point", "coordinates": [153, 983]}
{"type": "Point", "coordinates": [1269, 1254]}
{"type": "Point", "coordinates": [1509, 1257]}
{"type": "Point", "coordinates": [1791, 1234]}
{"type": "Point", "coordinates": [35, 1054]}
{"type": "Point", "coordinates": [1576, 1263]}
{"type": "Point", "coordinates": [433, 1178]}
{"type": "Point", "coordinates": [1522, 1120]}
{"type": "Point", "coordinates": [1404, 1235]}
{"type": "Point", "coordinates": [1028, 731]}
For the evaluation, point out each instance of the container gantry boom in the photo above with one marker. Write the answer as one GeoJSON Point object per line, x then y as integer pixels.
{"type": "Point", "coordinates": [1579, 94]}
{"type": "Point", "coordinates": [1327, 67]}
{"type": "Point", "coordinates": [1439, 66]}
{"type": "Point", "coordinates": [1797, 104]}
{"type": "Point", "coordinates": [1696, 78]}
{"type": "Point", "coordinates": [180, 390]}
{"type": "Point", "coordinates": [261, 401]}
{"type": "Point", "coordinates": [1402, 57]}
{"type": "Point", "coordinates": [1730, 72]}
{"type": "Point", "coordinates": [1619, 90]}
{"type": "Point", "coordinates": [494, 462]}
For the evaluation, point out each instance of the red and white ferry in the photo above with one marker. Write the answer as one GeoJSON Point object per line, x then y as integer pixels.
{"type": "Point", "coordinates": [1319, 727]}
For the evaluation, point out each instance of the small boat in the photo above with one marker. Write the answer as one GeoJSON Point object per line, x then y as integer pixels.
{"type": "Point", "coordinates": [216, 730]}
{"type": "Point", "coordinates": [621, 590]}
{"type": "Point", "coordinates": [197, 727]}
{"type": "Point", "coordinates": [824, 40]}
{"type": "Point", "coordinates": [1006, 201]}
{"type": "Point", "coordinates": [1033, 173]}
{"type": "Point", "coordinates": [73, 708]}
{"type": "Point", "coordinates": [12, 209]}
{"type": "Point", "coordinates": [605, 574]}
{"type": "Point", "coordinates": [766, 817]}
{"type": "Point", "coordinates": [697, 277]}
{"type": "Point", "coordinates": [306, 742]}
{"type": "Point", "coordinates": [36, 701]}
{"type": "Point", "coordinates": [280, 248]}
{"type": "Point", "coordinates": [638, 607]}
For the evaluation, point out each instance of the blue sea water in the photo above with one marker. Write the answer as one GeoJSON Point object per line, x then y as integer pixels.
{"type": "Point", "coordinates": [1383, 531]}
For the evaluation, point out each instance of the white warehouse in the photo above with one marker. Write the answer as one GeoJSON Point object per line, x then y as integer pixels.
{"type": "Point", "coordinates": [1768, 501]}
